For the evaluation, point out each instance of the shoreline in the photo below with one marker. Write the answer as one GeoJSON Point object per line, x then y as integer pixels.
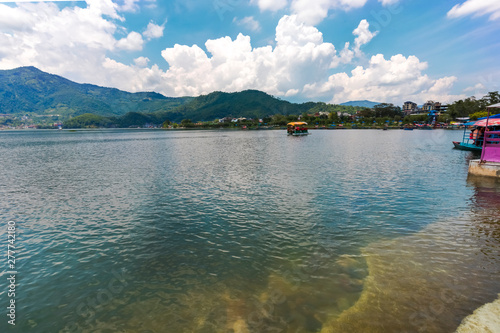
{"type": "Point", "coordinates": [484, 319]}
{"type": "Point", "coordinates": [439, 298]}
{"type": "Point", "coordinates": [217, 128]}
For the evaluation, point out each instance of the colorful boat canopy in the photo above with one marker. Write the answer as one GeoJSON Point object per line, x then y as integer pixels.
{"type": "Point", "coordinates": [296, 123]}
{"type": "Point", "coordinates": [491, 122]}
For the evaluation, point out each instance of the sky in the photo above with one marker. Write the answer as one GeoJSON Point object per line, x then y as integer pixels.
{"type": "Point", "coordinates": [331, 51]}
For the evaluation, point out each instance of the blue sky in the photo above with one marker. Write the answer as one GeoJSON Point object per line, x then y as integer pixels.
{"type": "Point", "coordinates": [300, 50]}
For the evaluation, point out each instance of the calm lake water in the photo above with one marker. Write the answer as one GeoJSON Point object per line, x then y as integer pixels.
{"type": "Point", "coordinates": [246, 231]}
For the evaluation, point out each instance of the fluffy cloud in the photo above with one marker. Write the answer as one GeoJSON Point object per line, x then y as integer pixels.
{"type": "Point", "coordinates": [73, 42]}
{"type": "Point", "coordinates": [385, 80]}
{"type": "Point", "coordinates": [364, 35]}
{"type": "Point", "coordinates": [476, 8]}
{"type": "Point", "coordinates": [42, 35]}
{"type": "Point", "coordinates": [345, 56]}
{"type": "Point", "coordinates": [154, 31]}
{"type": "Point", "coordinates": [103, 7]}
{"type": "Point", "coordinates": [141, 61]}
{"type": "Point", "coordinates": [77, 43]}
{"type": "Point", "coordinates": [133, 42]}
{"type": "Point", "coordinates": [300, 57]}
{"type": "Point", "coordinates": [299, 65]}
{"type": "Point", "coordinates": [131, 78]}
{"type": "Point", "coordinates": [13, 19]}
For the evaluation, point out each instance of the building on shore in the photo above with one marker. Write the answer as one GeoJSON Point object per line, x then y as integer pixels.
{"type": "Point", "coordinates": [409, 107]}
{"type": "Point", "coordinates": [412, 108]}
{"type": "Point", "coordinates": [431, 105]}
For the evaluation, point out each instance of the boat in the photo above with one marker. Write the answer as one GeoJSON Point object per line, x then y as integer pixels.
{"type": "Point", "coordinates": [297, 128]}
{"type": "Point", "coordinates": [489, 163]}
{"type": "Point", "coordinates": [466, 146]}
{"type": "Point", "coordinates": [472, 139]}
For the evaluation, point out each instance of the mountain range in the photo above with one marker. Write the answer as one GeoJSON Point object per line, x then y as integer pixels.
{"type": "Point", "coordinates": [363, 103]}
{"type": "Point", "coordinates": [30, 91]}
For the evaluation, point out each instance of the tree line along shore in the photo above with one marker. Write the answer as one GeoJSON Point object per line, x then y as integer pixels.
{"type": "Point", "coordinates": [321, 115]}
{"type": "Point", "coordinates": [31, 98]}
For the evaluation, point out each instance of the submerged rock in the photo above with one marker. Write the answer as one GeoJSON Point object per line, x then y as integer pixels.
{"type": "Point", "coordinates": [485, 319]}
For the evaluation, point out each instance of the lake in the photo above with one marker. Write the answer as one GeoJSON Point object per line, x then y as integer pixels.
{"type": "Point", "coordinates": [246, 231]}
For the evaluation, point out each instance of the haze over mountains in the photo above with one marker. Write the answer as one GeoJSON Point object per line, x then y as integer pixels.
{"type": "Point", "coordinates": [28, 90]}
{"type": "Point", "coordinates": [363, 103]}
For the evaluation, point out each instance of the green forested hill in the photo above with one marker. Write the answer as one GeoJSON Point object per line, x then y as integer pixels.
{"type": "Point", "coordinates": [28, 90]}
{"type": "Point", "coordinates": [248, 104]}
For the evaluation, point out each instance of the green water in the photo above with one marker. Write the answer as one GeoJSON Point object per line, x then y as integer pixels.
{"type": "Point", "coordinates": [251, 231]}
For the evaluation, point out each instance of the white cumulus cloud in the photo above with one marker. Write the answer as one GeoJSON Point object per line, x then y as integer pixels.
{"type": "Point", "coordinates": [476, 8]}
{"type": "Point", "coordinates": [141, 61]}
{"type": "Point", "coordinates": [388, 80]}
{"type": "Point", "coordinates": [78, 43]}
{"type": "Point", "coordinates": [41, 34]}
{"type": "Point", "coordinates": [300, 57]}
{"type": "Point", "coordinates": [364, 35]}
{"type": "Point", "coordinates": [133, 42]}
{"type": "Point", "coordinates": [154, 31]}
{"type": "Point", "coordinates": [103, 7]}
{"type": "Point", "coordinates": [72, 42]}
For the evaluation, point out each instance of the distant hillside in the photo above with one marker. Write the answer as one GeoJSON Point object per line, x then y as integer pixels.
{"type": "Point", "coordinates": [29, 90]}
{"type": "Point", "coordinates": [248, 104]}
{"type": "Point", "coordinates": [364, 103]}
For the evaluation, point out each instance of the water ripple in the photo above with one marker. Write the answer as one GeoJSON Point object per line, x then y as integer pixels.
{"type": "Point", "coordinates": [218, 231]}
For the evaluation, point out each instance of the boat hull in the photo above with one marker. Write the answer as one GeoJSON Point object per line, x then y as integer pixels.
{"type": "Point", "coordinates": [466, 146]}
